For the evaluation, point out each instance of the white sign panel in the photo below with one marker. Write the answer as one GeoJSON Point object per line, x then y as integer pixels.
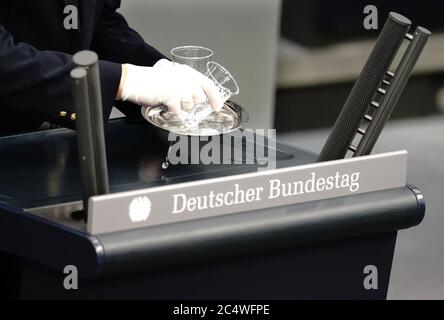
{"type": "Point", "coordinates": [246, 192]}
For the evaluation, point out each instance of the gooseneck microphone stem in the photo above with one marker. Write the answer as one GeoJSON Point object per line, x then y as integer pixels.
{"type": "Point", "coordinates": [87, 100]}
{"type": "Point", "coordinates": [84, 133]}
{"type": "Point", "coordinates": [90, 62]}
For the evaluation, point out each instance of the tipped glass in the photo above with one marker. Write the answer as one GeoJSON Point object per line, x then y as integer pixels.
{"type": "Point", "coordinates": [226, 86]}
{"type": "Point", "coordinates": [224, 81]}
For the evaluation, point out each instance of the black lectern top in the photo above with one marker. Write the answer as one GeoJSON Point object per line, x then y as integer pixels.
{"type": "Point", "coordinates": [40, 169]}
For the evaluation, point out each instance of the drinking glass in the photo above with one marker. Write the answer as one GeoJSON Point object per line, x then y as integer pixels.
{"type": "Point", "coordinates": [193, 56]}
{"type": "Point", "coordinates": [225, 84]}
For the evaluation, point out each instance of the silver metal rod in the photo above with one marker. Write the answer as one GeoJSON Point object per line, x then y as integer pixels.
{"type": "Point", "coordinates": [375, 104]}
{"type": "Point", "coordinates": [361, 131]}
{"type": "Point", "coordinates": [381, 91]}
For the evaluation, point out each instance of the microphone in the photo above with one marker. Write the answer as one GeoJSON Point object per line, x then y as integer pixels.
{"type": "Point", "coordinates": [353, 111]}
{"type": "Point", "coordinates": [87, 100]}
{"type": "Point", "coordinates": [90, 62]}
{"type": "Point", "coordinates": [85, 146]}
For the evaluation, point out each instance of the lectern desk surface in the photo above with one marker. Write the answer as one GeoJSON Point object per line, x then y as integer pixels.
{"type": "Point", "coordinates": [41, 168]}
{"type": "Point", "coordinates": [278, 253]}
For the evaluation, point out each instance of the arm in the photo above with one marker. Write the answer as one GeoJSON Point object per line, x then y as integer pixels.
{"type": "Point", "coordinates": [116, 41]}
{"type": "Point", "coordinates": [147, 77]}
{"type": "Point", "coordinates": [38, 83]}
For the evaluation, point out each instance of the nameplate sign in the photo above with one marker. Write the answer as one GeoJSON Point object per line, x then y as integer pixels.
{"type": "Point", "coordinates": [246, 192]}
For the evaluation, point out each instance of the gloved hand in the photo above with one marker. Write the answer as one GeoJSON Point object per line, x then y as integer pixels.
{"type": "Point", "coordinates": [174, 85]}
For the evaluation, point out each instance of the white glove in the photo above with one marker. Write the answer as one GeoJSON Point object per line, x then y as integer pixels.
{"type": "Point", "coordinates": [174, 85]}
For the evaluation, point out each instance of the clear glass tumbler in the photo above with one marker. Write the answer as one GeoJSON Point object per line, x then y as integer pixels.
{"type": "Point", "coordinates": [225, 84]}
{"type": "Point", "coordinates": [193, 56]}
{"type": "Point", "coordinates": [222, 78]}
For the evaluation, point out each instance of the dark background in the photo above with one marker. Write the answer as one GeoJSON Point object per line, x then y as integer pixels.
{"type": "Point", "coordinates": [305, 113]}
{"type": "Point", "coordinates": [315, 25]}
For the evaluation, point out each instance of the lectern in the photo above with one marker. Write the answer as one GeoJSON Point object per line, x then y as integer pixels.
{"type": "Point", "coordinates": [315, 249]}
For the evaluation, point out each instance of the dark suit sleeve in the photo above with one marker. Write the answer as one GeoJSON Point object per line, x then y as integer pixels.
{"type": "Point", "coordinates": [116, 41]}
{"type": "Point", "coordinates": [37, 83]}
